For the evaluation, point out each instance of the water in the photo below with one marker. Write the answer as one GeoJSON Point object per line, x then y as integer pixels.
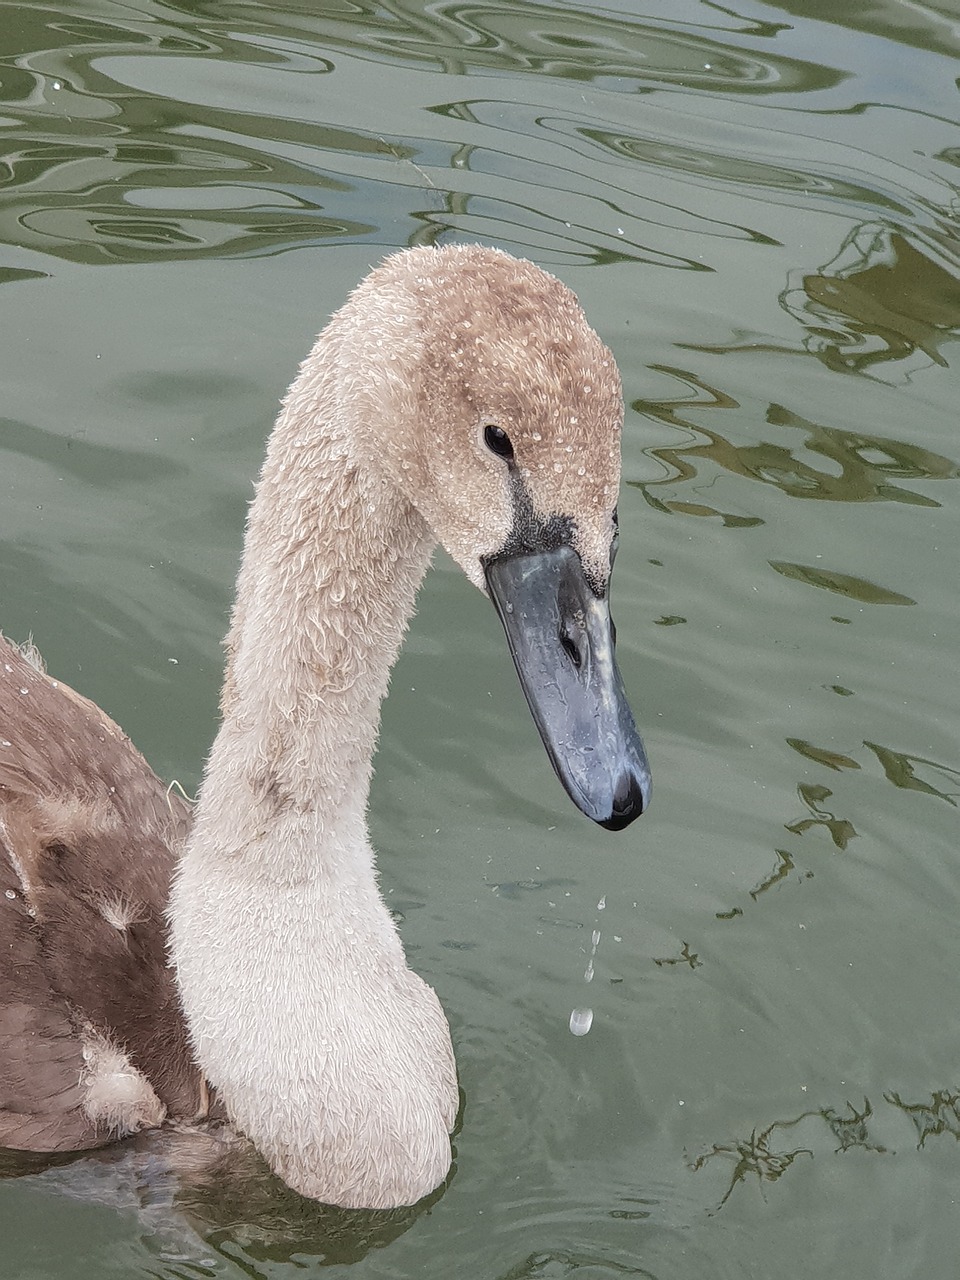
{"type": "Point", "coordinates": [758, 207]}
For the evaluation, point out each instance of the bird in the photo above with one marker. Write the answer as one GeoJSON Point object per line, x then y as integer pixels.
{"type": "Point", "coordinates": [168, 965]}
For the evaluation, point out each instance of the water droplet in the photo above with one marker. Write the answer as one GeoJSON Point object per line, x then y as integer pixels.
{"type": "Point", "coordinates": [581, 1020]}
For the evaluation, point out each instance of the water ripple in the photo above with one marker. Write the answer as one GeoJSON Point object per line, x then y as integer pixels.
{"type": "Point", "coordinates": [133, 139]}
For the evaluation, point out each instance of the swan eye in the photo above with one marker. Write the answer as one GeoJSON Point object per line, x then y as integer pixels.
{"type": "Point", "coordinates": [497, 441]}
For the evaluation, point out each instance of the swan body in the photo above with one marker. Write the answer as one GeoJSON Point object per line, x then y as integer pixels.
{"type": "Point", "coordinates": [459, 396]}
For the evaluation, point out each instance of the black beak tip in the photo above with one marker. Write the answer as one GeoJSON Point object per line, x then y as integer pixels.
{"type": "Point", "coordinates": [630, 800]}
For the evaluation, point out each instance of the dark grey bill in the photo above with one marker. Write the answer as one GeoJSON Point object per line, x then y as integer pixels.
{"type": "Point", "coordinates": [561, 638]}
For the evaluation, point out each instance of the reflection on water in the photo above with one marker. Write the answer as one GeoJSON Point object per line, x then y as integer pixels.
{"type": "Point", "coordinates": [941, 1114]}
{"type": "Point", "coordinates": [880, 302]}
{"type": "Point", "coordinates": [841, 830]}
{"type": "Point", "coordinates": [844, 584]}
{"type": "Point", "coordinates": [539, 39]}
{"type": "Point", "coordinates": [686, 956]}
{"type": "Point", "coordinates": [195, 1209]}
{"type": "Point", "coordinates": [884, 305]}
{"type": "Point", "coordinates": [850, 1128]}
{"type": "Point", "coordinates": [137, 144]}
{"type": "Point", "coordinates": [201, 130]}
{"type": "Point", "coordinates": [785, 864]}
{"type": "Point", "coordinates": [559, 1264]}
{"type": "Point", "coordinates": [753, 1156]}
{"type": "Point", "coordinates": [860, 467]}
{"type": "Point", "coordinates": [95, 464]}
{"type": "Point", "coordinates": [899, 769]}
{"type": "Point", "coordinates": [821, 755]}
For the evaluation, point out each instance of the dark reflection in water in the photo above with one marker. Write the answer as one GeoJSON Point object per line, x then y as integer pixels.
{"type": "Point", "coordinates": [764, 1156]}
{"type": "Point", "coordinates": [924, 26]}
{"type": "Point", "coordinates": [822, 755]}
{"type": "Point", "coordinates": [852, 1130]}
{"type": "Point", "coordinates": [755, 1156]}
{"type": "Point", "coordinates": [931, 1118]}
{"type": "Point", "coordinates": [880, 300]}
{"type": "Point", "coordinates": [736, 169]}
{"type": "Point", "coordinates": [813, 795]}
{"type": "Point", "coordinates": [561, 1263]}
{"type": "Point", "coordinates": [844, 584]}
{"type": "Point", "coordinates": [868, 465]}
{"type": "Point", "coordinates": [785, 864]}
{"type": "Point", "coordinates": [539, 39]}
{"type": "Point", "coordinates": [885, 304]}
{"type": "Point", "coordinates": [107, 167]}
{"type": "Point", "coordinates": [191, 1204]}
{"type": "Point", "coordinates": [106, 172]}
{"type": "Point", "coordinates": [686, 957]}
{"type": "Point", "coordinates": [899, 769]}
{"type": "Point", "coordinates": [95, 464]}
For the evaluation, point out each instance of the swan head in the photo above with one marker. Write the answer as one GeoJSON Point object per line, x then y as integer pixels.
{"type": "Point", "coordinates": [495, 408]}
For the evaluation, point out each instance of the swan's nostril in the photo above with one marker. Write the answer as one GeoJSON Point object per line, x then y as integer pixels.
{"type": "Point", "coordinates": [572, 649]}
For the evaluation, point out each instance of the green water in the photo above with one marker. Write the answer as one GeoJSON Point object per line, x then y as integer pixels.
{"type": "Point", "coordinates": [758, 205]}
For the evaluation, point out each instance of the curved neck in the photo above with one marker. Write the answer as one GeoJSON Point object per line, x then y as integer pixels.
{"type": "Point", "coordinates": [332, 561]}
{"type": "Point", "coordinates": [292, 978]}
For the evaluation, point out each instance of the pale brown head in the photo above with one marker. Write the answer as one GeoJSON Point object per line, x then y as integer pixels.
{"type": "Point", "coordinates": [496, 409]}
{"type": "Point", "coordinates": [516, 406]}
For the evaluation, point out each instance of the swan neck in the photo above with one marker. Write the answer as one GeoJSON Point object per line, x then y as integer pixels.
{"type": "Point", "coordinates": [332, 560]}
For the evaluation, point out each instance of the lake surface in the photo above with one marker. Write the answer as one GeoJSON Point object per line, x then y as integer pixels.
{"type": "Point", "coordinates": [758, 206]}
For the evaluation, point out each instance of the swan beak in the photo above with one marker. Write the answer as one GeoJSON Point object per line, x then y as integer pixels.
{"type": "Point", "coordinates": [562, 640]}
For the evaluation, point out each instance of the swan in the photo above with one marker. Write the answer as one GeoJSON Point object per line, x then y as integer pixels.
{"type": "Point", "coordinates": [158, 965]}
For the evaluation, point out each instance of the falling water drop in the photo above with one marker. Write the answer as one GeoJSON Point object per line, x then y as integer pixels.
{"type": "Point", "coordinates": [594, 943]}
{"type": "Point", "coordinates": [581, 1021]}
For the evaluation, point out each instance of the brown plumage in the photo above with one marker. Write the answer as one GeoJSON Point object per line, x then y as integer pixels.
{"type": "Point", "coordinates": [83, 959]}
